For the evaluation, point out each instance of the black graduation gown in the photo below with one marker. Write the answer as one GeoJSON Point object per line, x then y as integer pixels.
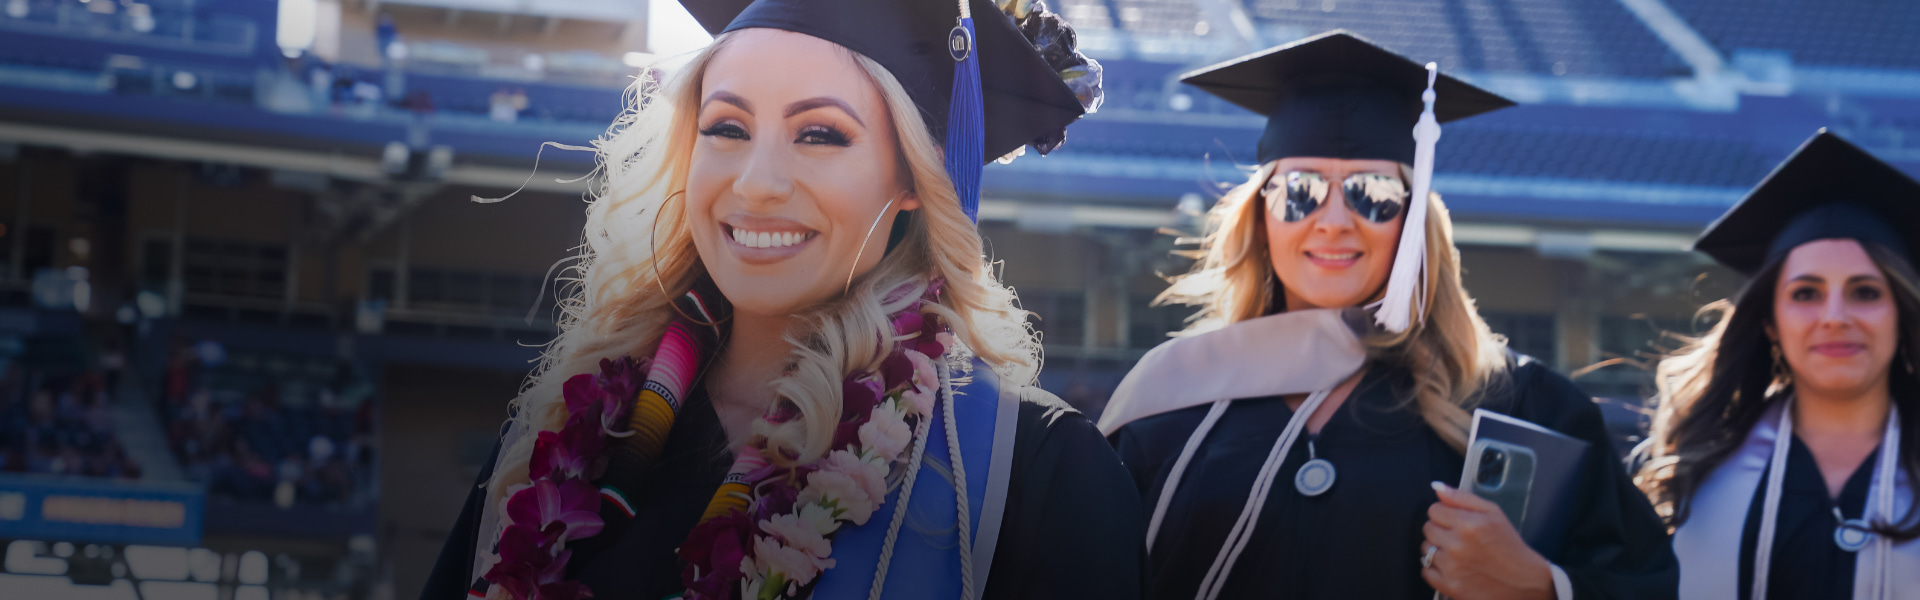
{"type": "Point", "coordinates": [1806, 564]}
{"type": "Point", "coordinates": [1361, 539]}
{"type": "Point", "coordinates": [1072, 526]}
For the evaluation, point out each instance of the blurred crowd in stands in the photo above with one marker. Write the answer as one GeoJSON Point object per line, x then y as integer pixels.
{"type": "Point", "coordinates": [60, 423]}
{"type": "Point", "coordinates": [269, 428]}
{"type": "Point", "coordinates": [285, 429]}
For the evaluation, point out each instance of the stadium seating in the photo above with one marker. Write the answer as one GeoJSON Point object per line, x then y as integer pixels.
{"type": "Point", "coordinates": [1544, 37]}
{"type": "Point", "coordinates": [1839, 33]}
{"type": "Point", "coordinates": [57, 422]}
{"type": "Point", "coordinates": [1567, 153]}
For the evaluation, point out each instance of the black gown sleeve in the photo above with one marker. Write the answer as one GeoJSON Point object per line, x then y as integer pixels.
{"type": "Point", "coordinates": [1073, 525]}
{"type": "Point", "coordinates": [1617, 547]}
{"type": "Point", "coordinates": [450, 579]}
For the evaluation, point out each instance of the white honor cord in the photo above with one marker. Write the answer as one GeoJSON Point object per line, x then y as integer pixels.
{"type": "Point", "coordinates": [1885, 479]}
{"type": "Point", "coordinates": [1180, 468]}
{"type": "Point", "coordinates": [900, 510]}
{"type": "Point", "coordinates": [963, 531]}
{"type": "Point", "coordinates": [960, 502]}
{"type": "Point", "coordinates": [1770, 508]}
{"type": "Point", "coordinates": [1242, 531]}
{"type": "Point", "coordinates": [1883, 484]}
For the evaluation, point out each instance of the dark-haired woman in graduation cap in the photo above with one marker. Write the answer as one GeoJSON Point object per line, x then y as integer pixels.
{"type": "Point", "coordinates": [787, 370]}
{"type": "Point", "coordinates": [1299, 441]}
{"type": "Point", "coordinates": [1777, 449]}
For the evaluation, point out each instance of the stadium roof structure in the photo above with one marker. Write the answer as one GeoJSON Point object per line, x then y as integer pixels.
{"type": "Point", "coordinates": [1648, 113]}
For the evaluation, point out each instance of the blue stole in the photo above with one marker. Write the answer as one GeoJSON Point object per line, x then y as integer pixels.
{"type": "Point", "coordinates": [926, 554]}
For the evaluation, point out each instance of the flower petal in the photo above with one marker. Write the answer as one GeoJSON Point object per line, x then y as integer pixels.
{"type": "Point", "coordinates": [579, 390]}
{"type": "Point", "coordinates": [577, 505]}
{"type": "Point", "coordinates": [908, 323]}
{"type": "Point", "coordinates": [523, 507]}
{"type": "Point", "coordinates": [548, 455]}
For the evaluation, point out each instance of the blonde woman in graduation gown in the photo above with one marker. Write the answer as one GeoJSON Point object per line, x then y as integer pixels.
{"type": "Point", "coordinates": [1301, 439]}
{"type": "Point", "coordinates": [787, 369]}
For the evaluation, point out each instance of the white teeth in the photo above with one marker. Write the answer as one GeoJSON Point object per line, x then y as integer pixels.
{"type": "Point", "coordinates": [1345, 256]}
{"type": "Point", "coordinates": [768, 239]}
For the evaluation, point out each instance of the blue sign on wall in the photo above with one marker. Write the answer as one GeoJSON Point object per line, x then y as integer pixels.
{"type": "Point", "coordinates": [101, 511]}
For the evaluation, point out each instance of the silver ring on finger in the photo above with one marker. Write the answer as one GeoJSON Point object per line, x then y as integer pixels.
{"type": "Point", "coordinates": [1426, 560]}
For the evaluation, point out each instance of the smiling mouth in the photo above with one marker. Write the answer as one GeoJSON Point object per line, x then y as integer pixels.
{"type": "Point", "coordinates": [1333, 256]}
{"type": "Point", "coordinates": [767, 239]}
{"type": "Point", "coordinates": [1839, 349]}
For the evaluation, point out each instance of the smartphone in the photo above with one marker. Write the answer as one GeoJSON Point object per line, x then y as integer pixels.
{"type": "Point", "coordinates": [1503, 474]}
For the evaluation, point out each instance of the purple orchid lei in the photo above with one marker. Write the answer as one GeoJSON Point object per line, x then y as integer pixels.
{"type": "Point", "coordinates": [775, 540]}
{"type": "Point", "coordinates": [560, 504]}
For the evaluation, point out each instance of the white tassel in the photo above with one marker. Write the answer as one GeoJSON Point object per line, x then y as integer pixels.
{"type": "Point", "coordinates": [1405, 301]}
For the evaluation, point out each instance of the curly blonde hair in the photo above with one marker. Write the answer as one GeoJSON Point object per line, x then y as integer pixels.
{"type": "Point", "coordinates": [1451, 353]}
{"type": "Point", "coordinates": [638, 254]}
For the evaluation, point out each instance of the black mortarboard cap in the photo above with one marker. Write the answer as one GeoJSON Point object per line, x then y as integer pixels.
{"type": "Point", "coordinates": [1024, 98]}
{"type": "Point", "coordinates": [1828, 189]}
{"type": "Point", "coordinates": [1337, 95]}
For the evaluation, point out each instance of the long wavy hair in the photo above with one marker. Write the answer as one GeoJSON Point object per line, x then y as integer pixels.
{"type": "Point", "coordinates": [1450, 353]}
{"type": "Point", "coordinates": [638, 255]}
{"type": "Point", "coordinates": [1715, 388]}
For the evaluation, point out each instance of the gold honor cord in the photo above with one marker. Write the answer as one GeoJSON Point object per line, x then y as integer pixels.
{"type": "Point", "coordinates": [652, 418]}
{"type": "Point", "coordinates": [733, 495]}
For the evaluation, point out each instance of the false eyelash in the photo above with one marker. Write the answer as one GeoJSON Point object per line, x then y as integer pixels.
{"type": "Point", "coordinates": [834, 137]}
{"type": "Point", "coordinates": [724, 128]}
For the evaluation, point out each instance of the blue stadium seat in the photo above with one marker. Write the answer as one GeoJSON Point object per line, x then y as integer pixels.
{"type": "Point", "coordinates": [1843, 33]}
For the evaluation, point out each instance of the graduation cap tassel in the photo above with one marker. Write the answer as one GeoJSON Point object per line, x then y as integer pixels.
{"type": "Point", "coordinates": [1405, 301]}
{"type": "Point", "coordinates": [966, 121]}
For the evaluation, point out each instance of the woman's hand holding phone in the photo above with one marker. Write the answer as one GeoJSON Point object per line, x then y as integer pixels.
{"type": "Point", "coordinates": [1480, 555]}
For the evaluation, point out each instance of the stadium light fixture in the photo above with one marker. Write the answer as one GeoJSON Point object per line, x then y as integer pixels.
{"type": "Point", "coordinates": [294, 28]}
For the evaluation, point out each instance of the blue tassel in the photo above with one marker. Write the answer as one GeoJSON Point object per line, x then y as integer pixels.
{"type": "Point", "coordinates": [966, 119]}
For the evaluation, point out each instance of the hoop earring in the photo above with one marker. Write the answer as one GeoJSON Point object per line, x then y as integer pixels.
{"type": "Point", "coordinates": [653, 233]}
{"type": "Point", "coordinates": [863, 244]}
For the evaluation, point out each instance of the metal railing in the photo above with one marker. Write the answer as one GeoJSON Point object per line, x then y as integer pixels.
{"type": "Point", "coordinates": [133, 24]}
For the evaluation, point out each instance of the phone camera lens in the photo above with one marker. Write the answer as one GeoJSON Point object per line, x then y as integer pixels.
{"type": "Point", "coordinates": [1493, 467]}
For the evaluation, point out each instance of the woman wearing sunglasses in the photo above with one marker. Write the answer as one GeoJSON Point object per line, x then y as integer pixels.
{"type": "Point", "coordinates": [1300, 440]}
{"type": "Point", "coordinates": [1784, 449]}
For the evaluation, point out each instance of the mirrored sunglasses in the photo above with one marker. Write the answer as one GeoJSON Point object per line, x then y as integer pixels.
{"type": "Point", "coordinates": [1375, 197]}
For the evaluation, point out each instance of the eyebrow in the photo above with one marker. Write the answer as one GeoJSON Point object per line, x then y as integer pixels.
{"type": "Point", "coordinates": [1811, 278]}
{"type": "Point", "coordinates": [823, 102]}
{"type": "Point", "coordinates": [729, 98]}
{"type": "Point", "coordinates": [1323, 174]}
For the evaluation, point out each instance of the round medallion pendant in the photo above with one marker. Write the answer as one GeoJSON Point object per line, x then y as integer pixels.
{"type": "Point", "coordinates": [1315, 477]}
{"type": "Point", "coordinates": [1852, 535]}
